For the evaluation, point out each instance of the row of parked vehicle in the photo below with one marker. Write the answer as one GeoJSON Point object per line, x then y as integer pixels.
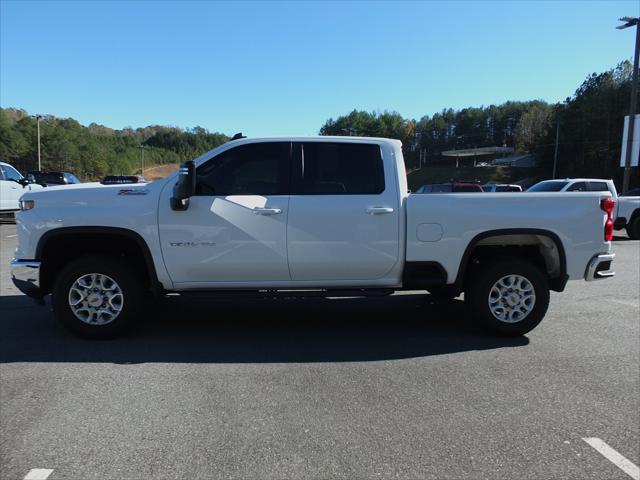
{"type": "Point", "coordinates": [467, 187]}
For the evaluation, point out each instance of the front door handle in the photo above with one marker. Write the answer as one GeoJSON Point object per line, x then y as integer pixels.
{"type": "Point", "coordinates": [267, 211]}
{"type": "Point", "coordinates": [379, 210]}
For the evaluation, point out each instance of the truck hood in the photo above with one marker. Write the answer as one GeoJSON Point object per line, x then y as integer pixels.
{"type": "Point", "coordinates": [94, 195]}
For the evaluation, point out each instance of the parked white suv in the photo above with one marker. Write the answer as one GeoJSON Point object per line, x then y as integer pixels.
{"type": "Point", "coordinates": [12, 186]}
{"type": "Point", "coordinates": [627, 212]}
{"type": "Point", "coordinates": [328, 214]}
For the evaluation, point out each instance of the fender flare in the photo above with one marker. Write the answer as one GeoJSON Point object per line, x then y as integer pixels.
{"type": "Point", "coordinates": [154, 284]}
{"type": "Point", "coordinates": [556, 284]}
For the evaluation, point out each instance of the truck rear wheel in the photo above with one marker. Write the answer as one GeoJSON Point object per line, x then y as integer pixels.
{"type": "Point", "coordinates": [509, 297]}
{"type": "Point", "coordinates": [97, 296]}
{"type": "Point", "coordinates": [633, 228]}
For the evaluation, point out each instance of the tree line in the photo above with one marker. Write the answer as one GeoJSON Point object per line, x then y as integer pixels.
{"type": "Point", "coordinates": [588, 123]}
{"type": "Point", "coordinates": [95, 150]}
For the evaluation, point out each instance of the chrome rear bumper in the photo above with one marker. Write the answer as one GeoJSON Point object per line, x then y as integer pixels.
{"type": "Point", "coordinates": [600, 267]}
{"type": "Point", "coordinates": [26, 277]}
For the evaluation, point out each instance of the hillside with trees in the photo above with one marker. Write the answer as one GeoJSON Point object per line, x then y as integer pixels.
{"type": "Point", "coordinates": [95, 150]}
{"type": "Point", "coordinates": [590, 133]}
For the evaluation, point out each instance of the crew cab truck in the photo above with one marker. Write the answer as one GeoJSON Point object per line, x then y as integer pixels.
{"type": "Point", "coordinates": [318, 215]}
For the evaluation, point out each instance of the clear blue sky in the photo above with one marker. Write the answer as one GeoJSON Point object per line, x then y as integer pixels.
{"type": "Point", "coordinates": [271, 68]}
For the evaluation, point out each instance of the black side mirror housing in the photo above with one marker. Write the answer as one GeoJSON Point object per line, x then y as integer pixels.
{"type": "Point", "coordinates": [185, 187]}
{"type": "Point", "coordinates": [25, 181]}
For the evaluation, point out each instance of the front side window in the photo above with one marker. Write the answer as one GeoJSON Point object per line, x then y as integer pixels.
{"type": "Point", "coordinates": [598, 187]}
{"type": "Point", "coordinates": [250, 169]}
{"type": "Point", "coordinates": [328, 168]}
{"type": "Point", "coordinates": [11, 173]}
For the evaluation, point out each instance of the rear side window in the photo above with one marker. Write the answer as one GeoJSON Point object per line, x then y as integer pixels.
{"type": "Point", "coordinates": [51, 178]}
{"type": "Point", "coordinates": [339, 169]}
{"type": "Point", "coordinates": [444, 188]}
{"type": "Point", "coordinates": [578, 187]}
{"type": "Point", "coordinates": [251, 169]}
{"type": "Point", "coordinates": [467, 188]}
{"type": "Point", "coordinates": [598, 187]}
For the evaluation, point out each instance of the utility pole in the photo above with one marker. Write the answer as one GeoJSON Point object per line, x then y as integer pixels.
{"type": "Point", "coordinates": [630, 22]}
{"type": "Point", "coordinates": [555, 155]}
{"type": "Point", "coordinates": [38, 117]}
{"type": "Point", "coordinates": [141, 160]}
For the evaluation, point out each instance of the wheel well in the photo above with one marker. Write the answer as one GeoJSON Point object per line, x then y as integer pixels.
{"type": "Point", "coordinates": [541, 249]}
{"type": "Point", "coordinates": [59, 249]}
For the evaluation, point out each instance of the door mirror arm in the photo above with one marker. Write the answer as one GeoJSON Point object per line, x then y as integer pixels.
{"type": "Point", "coordinates": [185, 187]}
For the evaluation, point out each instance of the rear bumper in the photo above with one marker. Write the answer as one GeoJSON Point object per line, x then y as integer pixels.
{"type": "Point", "coordinates": [26, 277]}
{"type": "Point", "coordinates": [599, 267]}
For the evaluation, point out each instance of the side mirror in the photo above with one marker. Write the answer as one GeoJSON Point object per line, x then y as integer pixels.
{"type": "Point", "coordinates": [185, 187]}
{"type": "Point", "coordinates": [24, 182]}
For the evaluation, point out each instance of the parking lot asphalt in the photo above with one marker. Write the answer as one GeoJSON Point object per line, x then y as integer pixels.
{"type": "Point", "coordinates": [395, 387]}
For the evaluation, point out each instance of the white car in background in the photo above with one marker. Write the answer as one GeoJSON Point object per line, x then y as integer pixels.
{"type": "Point", "coordinates": [627, 210]}
{"type": "Point", "coordinates": [12, 186]}
{"type": "Point", "coordinates": [499, 187]}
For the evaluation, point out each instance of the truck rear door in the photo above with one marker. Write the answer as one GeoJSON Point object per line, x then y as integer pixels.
{"type": "Point", "coordinates": [343, 213]}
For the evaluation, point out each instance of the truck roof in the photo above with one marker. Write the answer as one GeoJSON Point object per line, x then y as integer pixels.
{"type": "Point", "coordinates": [316, 138]}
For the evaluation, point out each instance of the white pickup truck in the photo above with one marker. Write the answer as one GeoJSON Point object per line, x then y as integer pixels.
{"type": "Point", "coordinates": [318, 215]}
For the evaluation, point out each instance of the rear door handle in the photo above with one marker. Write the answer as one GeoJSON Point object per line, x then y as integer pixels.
{"type": "Point", "coordinates": [379, 210]}
{"type": "Point", "coordinates": [267, 211]}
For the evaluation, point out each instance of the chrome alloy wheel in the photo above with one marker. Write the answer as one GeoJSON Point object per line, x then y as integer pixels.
{"type": "Point", "coordinates": [96, 299]}
{"type": "Point", "coordinates": [512, 298]}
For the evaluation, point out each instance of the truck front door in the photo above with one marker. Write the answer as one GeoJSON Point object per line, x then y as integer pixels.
{"type": "Point", "coordinates": [234, 231]}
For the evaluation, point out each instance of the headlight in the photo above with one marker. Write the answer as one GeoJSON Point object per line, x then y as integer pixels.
{"type": "Point", "coordinates": [27, 205]}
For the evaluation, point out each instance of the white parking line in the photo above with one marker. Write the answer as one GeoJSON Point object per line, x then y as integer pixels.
{"type": "Point", "coordinates": [38, 474]}
{"type": "Point", "coordinates": [614, 457]}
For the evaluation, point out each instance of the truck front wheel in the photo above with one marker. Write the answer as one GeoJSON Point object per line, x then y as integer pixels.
{"type": "Point", "coordinates": [509, 297]}
{"type": "Point", "coordinates": [97, 296]}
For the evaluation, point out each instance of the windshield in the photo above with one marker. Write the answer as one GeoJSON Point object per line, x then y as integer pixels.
{"type": "Point", "coordinates": [548, 186]}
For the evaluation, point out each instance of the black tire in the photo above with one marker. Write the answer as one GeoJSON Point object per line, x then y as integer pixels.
{"type": "Point", "coordinates": [442, 292]}
{"type": "Point", "coordinates": [633, 228]}
{"type": "Point", "coordinates": [116, 269]}
{"type": "Point", "coordinates": [479, 289]}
